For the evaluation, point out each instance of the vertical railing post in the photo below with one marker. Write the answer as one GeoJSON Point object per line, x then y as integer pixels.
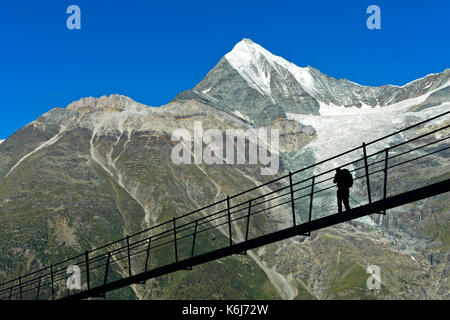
{"type": "Point", "coordinates": [248, 219]}
{"type": "Point", "coordinates": [311, 202]}
{"type": "Point", "coordinates": [148, 252]}
{"type": "Point", "coordinates": [175, 238]}
{"type": "Point", "coordinates": [105, 279]}
{"type": "Point", "coordinates": [229, 220]}
{"type": "Point", "coordinates": [292, 198]}
{"type": "Point", "coordinates": [88, 280]}
{"type": "Point", "coordinates": [38, 289]}
{"type": "Point", "coordinates": [386, 157]}
{"type": "Point", "coordinates": [193, 240]}
{"type": "Point", "coordinates": [20, 287]}
{"type": "Point", "coordinates": [52, 280]}
{"type": "Point", "coordinates": [366, 166]}
{"type": "Point", "coordinates": [129, 256]}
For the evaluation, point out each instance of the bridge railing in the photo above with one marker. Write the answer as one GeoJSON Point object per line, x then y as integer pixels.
{"type": "Point", "coordinates": [381, 168]}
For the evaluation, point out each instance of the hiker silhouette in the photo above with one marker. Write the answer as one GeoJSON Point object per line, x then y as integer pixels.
{"type": "Point", "coordinates": [344, 181]}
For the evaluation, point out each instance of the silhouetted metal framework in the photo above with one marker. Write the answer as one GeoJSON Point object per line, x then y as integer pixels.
{"type": "Point", "coordinates": [177, 240]}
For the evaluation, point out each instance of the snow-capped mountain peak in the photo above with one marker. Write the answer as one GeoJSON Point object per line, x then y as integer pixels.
{"type": "Point", "coordinates": [255, 63]}
{"type": "Point", "coordinates": [260, 86]}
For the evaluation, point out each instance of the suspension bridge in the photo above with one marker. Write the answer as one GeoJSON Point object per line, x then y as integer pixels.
{"type": "Point", "coordinates": [405, 166]}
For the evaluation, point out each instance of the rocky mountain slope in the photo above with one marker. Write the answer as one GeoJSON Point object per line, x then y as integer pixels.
{"type": "Point", "coordinates": [99, 169]}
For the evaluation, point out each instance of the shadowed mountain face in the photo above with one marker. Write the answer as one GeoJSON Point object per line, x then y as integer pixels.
{"type": "Point", "coordinates": [99, 169]}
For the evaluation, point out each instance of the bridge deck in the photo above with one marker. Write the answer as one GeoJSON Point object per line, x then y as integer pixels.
{"type": "Point", "coordinates": [375, 207]}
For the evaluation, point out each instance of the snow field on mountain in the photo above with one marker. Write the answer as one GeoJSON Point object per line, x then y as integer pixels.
{"type": "Point", "coordinates": [246, 59]}
{"type": "Point", "coordinates": [340, 129]}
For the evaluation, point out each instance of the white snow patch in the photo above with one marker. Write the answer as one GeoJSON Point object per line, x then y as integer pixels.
{"type": "Point", "coordinates": [1, 141]}
{"type": "Point", "coordinates": [48, 143]}
{"type": "Point", "coordinates": [366, 220]}
{"type": "Point", "coordinates": [357, 84]}
{"type": "Point", "coordinates": [340, 129]}
{"type": "Point", "coordinates": [247, 58]}
{"type": "Point", "coordinates": [240, 115]}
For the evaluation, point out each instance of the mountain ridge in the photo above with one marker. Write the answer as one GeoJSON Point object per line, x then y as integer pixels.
{"type": "Point", "coordinates": [262, 86]}
{"type": "Point", "coordinates": [99, 169]}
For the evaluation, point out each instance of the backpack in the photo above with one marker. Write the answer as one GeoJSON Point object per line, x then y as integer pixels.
{"type": "Point", "coordinates": [347, 178]}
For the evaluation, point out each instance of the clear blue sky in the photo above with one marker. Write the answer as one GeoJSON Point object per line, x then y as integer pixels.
{"type": "Point", "coordinates": [152, 50]}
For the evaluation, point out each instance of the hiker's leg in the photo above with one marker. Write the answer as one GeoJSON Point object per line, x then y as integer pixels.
{"type": "Point", "coordinates": [339, 200]}
{"type": "Point", "coordinates": [347, 204]}
{"type": "Point", "coordinates": [345, 198]}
